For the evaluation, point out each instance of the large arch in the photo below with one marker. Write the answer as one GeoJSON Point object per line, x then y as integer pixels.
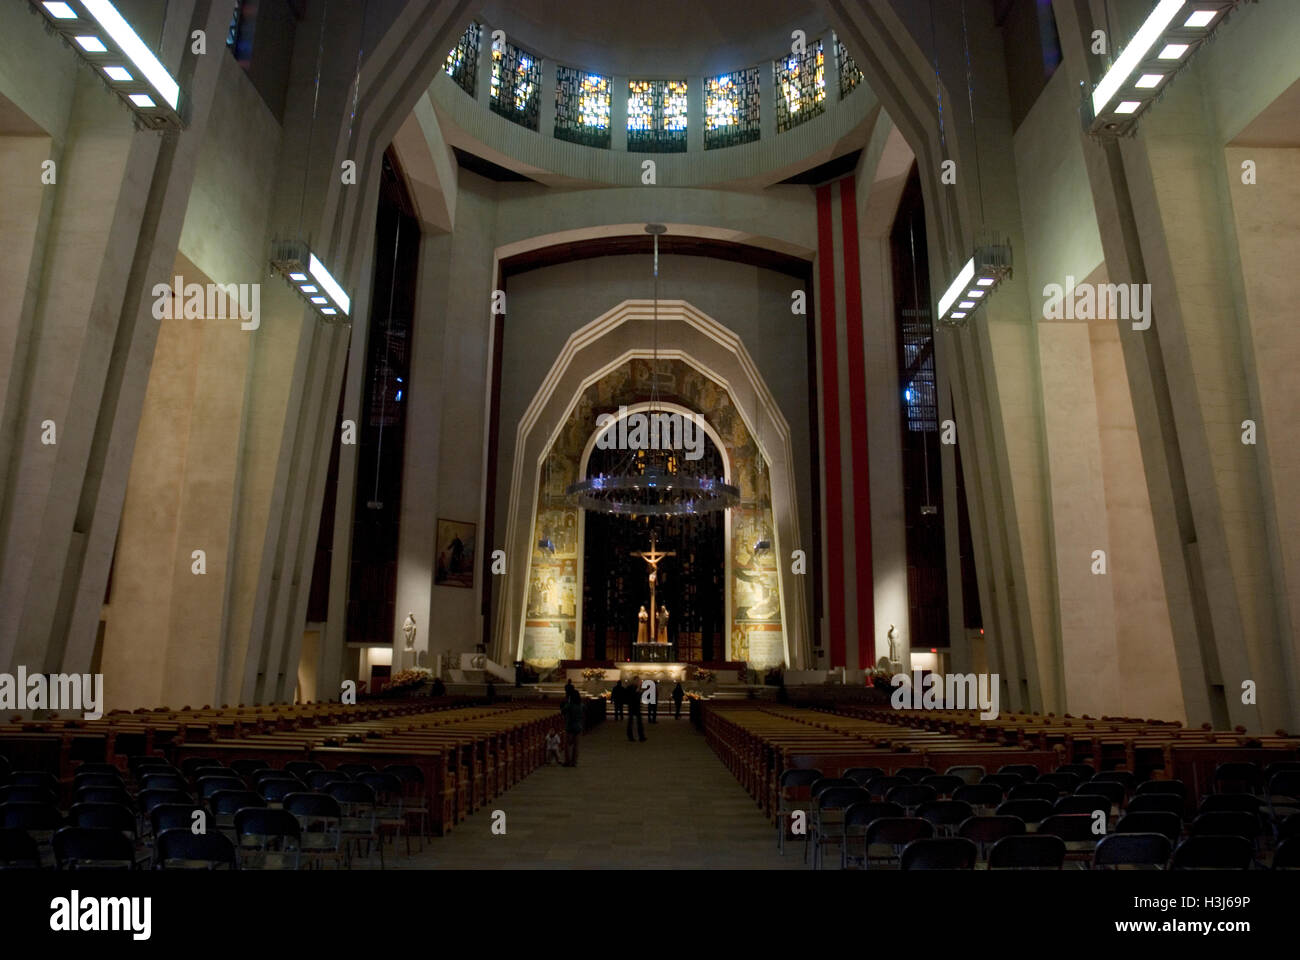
{"type": "Point", "coordinates": [590, 354]}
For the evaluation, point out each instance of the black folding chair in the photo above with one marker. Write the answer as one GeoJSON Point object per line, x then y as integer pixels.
{"type": "Point", "coordinates": [1035, 791]}
{"type": "Point", "coordinates": [1004, 781]}
{"type": "Point", "coordinates": [828, 818]}
{"type": "Point", "coordinates": [1030, 851]}
{"type": "Point", "coordinates": [895, 833]}
{"type": "Point", "coordinates": [857, 818]}
{"type": "Point", "coordinates": [879, 787]}
{"type": "Point", "coordinates": [1155, 821]}
{"type": "Point", "coordinates": [1134, 851]}
{"type": "Point", "coordinates": [1025, 771]}
{"type": "Point", "coordinates": [983, 797]}
{"type": "Point", "coordinates": [1063, 782]}
{"type": "Point", "coordinates": [1083, 803]}
{"type": "Point", "coordinates": [1157, 803]}
{"type": "Point", "coordinates": [93, 848]}
{"type": "Point", "coordinates": [970, 773]}
{"type": "Point", "coordinates": [986, 831]}
{"type": "Point", "coordinates": [1032, 812]}
{"type": "Point", "coordinates": [911, 796]}
{"type": "Point", "coordinates": [863, 775]}
{"type": "Point", "coordinates": [915, 774]}
{"type": "Point", "coordinates": [945, 785]}
{"type": "Point", "coordinates": [1076, 831]}
{"type": "Point", "coordinates": [945, 815]}
{"type": "Point", "coordinates": [794, 792]}
{"type": "Point", "coordinates": [269, 839]}
{"type": "Point", "coordinates": [1237, 777]}
{"type": "Point", "coordinates": [105, 816]}
{"type": "Point", "coordinates": [1162, 786]}
{"type": "Point", "coordinates": [938, 853]}
{"type": "Point", "coordinates": [182, 849]}
{"type": "Point", "coordinates": [1287, 855]}
{"type": "Point", "coordinates": [320, 822]}
{"type": "Point", "coordinates": [1214, 853]}
{"type": "Point", "coordinates": [18, 851]}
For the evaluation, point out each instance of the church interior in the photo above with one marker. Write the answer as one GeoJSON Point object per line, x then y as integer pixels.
{"type": "Point", "coordinates": [432, 428]}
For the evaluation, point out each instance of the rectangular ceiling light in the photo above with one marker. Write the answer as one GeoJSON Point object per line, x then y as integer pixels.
{"type": "Point", "coordinates": [315, 284]}
{"type": "Point", "coordinates": [111, 44]}
{"type": "Point", "coordinates": [115, 25]}
{"type": "Point", "coordinates": [1168, 37]}
{"type": "Point", "coordinates": [990, 265]}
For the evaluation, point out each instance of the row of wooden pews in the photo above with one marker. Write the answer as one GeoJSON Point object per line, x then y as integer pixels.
{"type": "Point", "coordinates": [467, 753]}
{"type": "Point", "coordinates": [758, 742]}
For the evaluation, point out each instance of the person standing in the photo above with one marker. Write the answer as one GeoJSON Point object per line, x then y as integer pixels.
{"type": "Point", "coordinates": [617, 695]}
{"type": "Point", "coordinates": [634, 709]}
{"type": "Point", "coordinates": [572, 711]}
{"type": "Point", "coordinates": [678, 696]}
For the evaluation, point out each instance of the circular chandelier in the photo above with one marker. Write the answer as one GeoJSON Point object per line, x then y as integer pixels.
{"type": "Point", "coordinates": [651, 482]}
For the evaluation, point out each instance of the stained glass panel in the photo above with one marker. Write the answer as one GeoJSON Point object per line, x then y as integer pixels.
{"type": "Point", "coordinates": [731, 109]}
{"type": "Point", "coordinates": [656, 116]}
{"type": "Point", "coordinates": [800, 87]}
{"type": "Point", "coordinates": [516, 84]}
{"type": "Point", "coordinates": [850, 75]}
{"type": "Point", "coordinates": [462, 61]}
{"type": "Point", "coordinates": [582, 107]}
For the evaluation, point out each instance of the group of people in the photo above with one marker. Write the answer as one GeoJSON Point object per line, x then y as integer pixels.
{"type": "Point", "coordinates": [630, 696]}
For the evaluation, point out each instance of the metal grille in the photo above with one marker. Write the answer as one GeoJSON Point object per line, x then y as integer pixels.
{"type": "Point", "coordinates": [582, 107]}
{"type": "Point", "coordinates": [800, 87]}
{"type": "Point", "coordinates": [462, 61]}
{"type": "Point", "coordinates": [731, 109]}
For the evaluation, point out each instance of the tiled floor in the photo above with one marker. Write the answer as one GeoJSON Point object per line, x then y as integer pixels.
{"type": "Point", "coordinates": [665, 803]}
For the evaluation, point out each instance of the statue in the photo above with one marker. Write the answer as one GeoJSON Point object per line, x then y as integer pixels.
{"type": "Point", "coordinates": [643, 626]}
{"type": "Point", "coordinates": [652, 557]}
{"type": "Point", "coordinates": [408, 630]}
{"type": "Point", "coordinates": [893, 645]}
{"type": "Point", "coordinates": [662, 636]}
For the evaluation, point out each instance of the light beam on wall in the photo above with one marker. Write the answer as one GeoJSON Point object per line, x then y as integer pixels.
{"type": "Point", "coordinates": [974, 283]}
{"type": "Point", "coordinates": [314, 283]}
{"type": "Point", "coordinates": [1166, 40]}
{"type": "Point", "coordinates": [105, 40]}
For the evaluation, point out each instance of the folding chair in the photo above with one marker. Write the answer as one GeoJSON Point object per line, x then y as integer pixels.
{"type": "Point", "coordinates": [1114, 792]}
{"type": "Point", "coordinates": [105, 816]}
{"type": "Point", "coordinates": [1030, 851]}
{"type": "Point", "coordinates": [191, 765]}
{"type": "Point", "coordinates": [1287, 855]}
{"type": "Point", "coordinates": [794, 792]}
{"type": "Point", "coordinates": [207, 786]}
{"type": "Point", "coordinates": [945, 815]}
{"type": "Point", "coordinates": [880, 786]}
{"type": "Point", "coordinates": [1227, 823]}
{"type": "Point", "coordinates": [28, 793]}
{"type": "Point", "coordinates": [911, 796]}
{"type": "Point", "coordinates": [1135, 851]}
{"type": "Point", "coordinates": [983, 797]}
{"type": "Point", "coordinates": [181, 849]}
{"type": "Point", "coordinates": [354, 770]}
{"type": "Point", "coordinates": [1156, 821]}
{"type": "Point", "coordinates": [944, 785]}
{"type": "Point", "coordinates": [1237, 777]}
{"type": "Point", "coordinates": [1034, 791]}
{"type": "Point", "coordinates": [320, 821]}
{"type": "Point", "coordinates": [1282, 795]}
{"type": "Point", "coordinates": [116, 795]}
{"type": "Point", "coordinates": [1214, 853]}
{"type": "Point", "coordinates": [93, 848]}
{"type": "Point", "coordinates": [1076, 831]}
{"type": "Point", "coordinates": [247, 767]}
{"type": "Point", "coordinates": [986, 831]}
{"type": "Point", "coordinates": [938, 853]}
{"type": "Point", "coordinates": [1004, 781]}
{"type": "Point", "coordinates": [1062, 781]}
{"type": "Point", "coordinates": [857, 818]}
{"type": "Point", "coordinates": [895, 833]}
{"type": "Point", "coordinates": [224, 804]}
{"type": "Point", "coordinates": [1088, 803]}
{"type": "Point", "coordinates": [415, 798]}
{"type": "Point", "coordinates": [163, 781]}
{"type": "Point", "coordinates": [863, 775]}
{"type": "Point", "coordinates": [40, 820]}
{"type": "Point", "coordinates": [828, 820]}
{"type": "Point", "coordinates": [1162, 786]}
{"type": "Point", "coordinates": [1083, 771]}
{"type": "Point", "coordinates": [388, 808]}
{"type": "Point", "coordinates": [1157, 803]}
{"type": "Point", "coordinates": [268, 839]}
{"type": "Point", "coordinates": [915, 774]}
{"type": "Point", "coordinates": [357, 803]}
{"type": "Point", "coordinates": [274, 791]}
{"type": "Point", "coordinates": [303, 768]}
{"type": "Point", "coordinates": [81, 780]}
{"type": "Point", "coordinates": [319, 780]}
{"type": "Point", "coordinates": [1026, 771]}
{"type": "Point", "coordinates": [1032, 812]}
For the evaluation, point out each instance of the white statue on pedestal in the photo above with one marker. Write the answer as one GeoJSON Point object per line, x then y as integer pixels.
{"type": "Point", "coordinates": [408, 631]}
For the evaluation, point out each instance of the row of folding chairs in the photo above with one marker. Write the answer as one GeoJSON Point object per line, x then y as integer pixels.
{"type": "Point", "coordinates": [1039, 851]}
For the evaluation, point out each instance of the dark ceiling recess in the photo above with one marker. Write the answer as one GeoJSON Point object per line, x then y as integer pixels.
{"type": "Point", "coordinates": [640, 245]}
{"type": "Point", "coordinates": [830, 170]}
{"type": "Point", "coordinates": [486, 168]}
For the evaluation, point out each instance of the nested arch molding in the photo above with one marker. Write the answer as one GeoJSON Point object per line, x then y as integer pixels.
{"type": "Point", "coordinates": [590, 354]}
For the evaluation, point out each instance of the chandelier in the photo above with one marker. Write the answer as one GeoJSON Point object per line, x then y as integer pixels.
{"type": "Point", "coordinates": [652, 482]}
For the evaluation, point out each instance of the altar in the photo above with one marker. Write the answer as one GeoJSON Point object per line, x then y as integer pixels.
{"type": "Point", "coordinates": [654, 652]}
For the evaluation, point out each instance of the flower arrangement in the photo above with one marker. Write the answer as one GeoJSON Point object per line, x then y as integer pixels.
{"type": "Point", "coordinates": [593, 673]}
{"type": "Point", "coordinates": [704, 676]}
{"type": "Point", "coordinates": [411, 677]}
{"type": "Point", "coordinates": [879, 678]}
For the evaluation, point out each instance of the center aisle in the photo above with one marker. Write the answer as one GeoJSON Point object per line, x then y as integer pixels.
{"type": "Point", "coordinates": [666, 803]}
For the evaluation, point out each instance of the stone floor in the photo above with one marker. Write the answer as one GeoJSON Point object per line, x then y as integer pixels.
{"type": "Point", "coordinates": [665, 803]}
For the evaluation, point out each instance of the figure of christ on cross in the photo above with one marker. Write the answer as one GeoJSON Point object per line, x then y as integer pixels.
{"type": "Point", "coordinates": [652, 557]}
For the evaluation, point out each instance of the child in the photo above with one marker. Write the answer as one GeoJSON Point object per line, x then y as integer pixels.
{"type": "Point", "coordinates": [553, 747]}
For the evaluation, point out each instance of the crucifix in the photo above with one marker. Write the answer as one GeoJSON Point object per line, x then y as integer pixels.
{"type": "Point", "coordinates": [652, 557]}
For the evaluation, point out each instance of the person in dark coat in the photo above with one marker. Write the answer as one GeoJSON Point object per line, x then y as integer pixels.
{"type": "Point", "coordinates": [634, 709]}
{"type": "Point", "coordinates": [618, 695]}
{"type": "Point", "coordinates": [572, 711]}
{"type": "Point", "coordinates": [678, 696]}
{"type": "Point", "coordinates": [569, 689]}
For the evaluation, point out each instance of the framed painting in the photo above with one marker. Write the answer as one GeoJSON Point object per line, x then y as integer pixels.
{"type": "Point", "coordinates": [454, 554]}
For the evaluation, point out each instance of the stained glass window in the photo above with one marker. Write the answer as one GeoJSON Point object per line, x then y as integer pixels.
{"type": "Point", "coordinates": [850, 75]}
{"type": "Point", "coordinates": [656, 116]}
{"type": "Point", "coordinates": [516, 84]}
{"type": "Point", "coordinates": [731, 109]}
{"type": "Point", "coordinates": [582, 107]}
{"type": "Point", "coordinates": [800, 87]}
{"type": "Point", "coordinates": [462, 61]}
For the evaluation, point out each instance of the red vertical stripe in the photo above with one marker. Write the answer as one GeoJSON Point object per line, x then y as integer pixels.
{"type": "Point", "coordinates": [858, 424]}
{"type": "Point", "coordinates": [831, 428]}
